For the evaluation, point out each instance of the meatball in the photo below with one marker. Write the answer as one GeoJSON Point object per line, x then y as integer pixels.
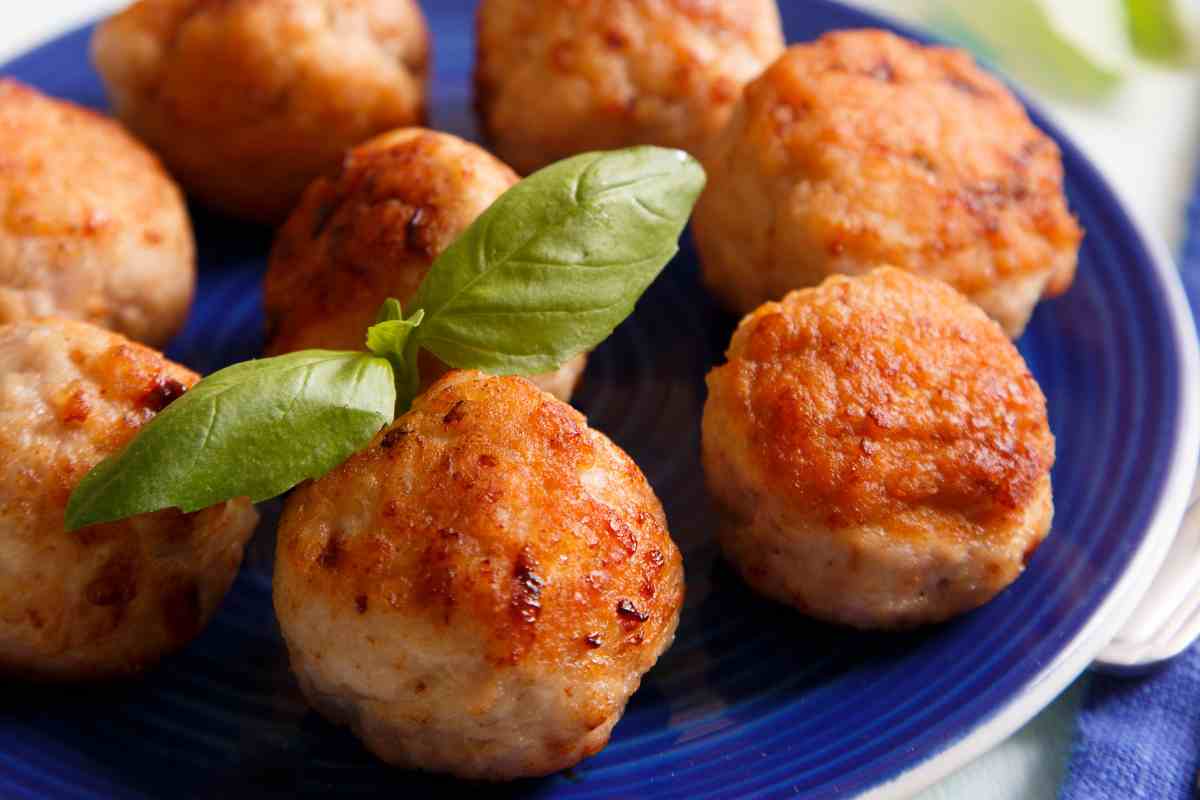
{"type": "Point", "coordinates": [863, 148]}
{"type": "Point", "coordinates": [108, 600]}
{"type": "Point", "coordinates": [557, 78]}
{"type": "Point", "coordinates": [90, 225]}
{"type": "Point", "coordinates": [247, 101]}
{"type": "Point", "coordinates": [371, 232]}
{"type": "Point", "coordinates": [878, 452]}
{"type": "Point", "coordinates": [480, 591]}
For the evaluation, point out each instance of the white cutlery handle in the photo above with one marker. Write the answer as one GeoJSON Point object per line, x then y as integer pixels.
{"type": "Point", "coordinates": [1167, 620]}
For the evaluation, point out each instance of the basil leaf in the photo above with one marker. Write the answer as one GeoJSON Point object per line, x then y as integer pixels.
{"type": "Point", "coordinates": [557, 261]}
{"type": "Point", "coordinates": [389, 310]}
{"type": "Point", "coordinates": [1156, 30]}
{"type": "Point", "coordinates": [408, 382]}
{"type": "Point", "coordinates": [254, 429]}
{"type": "Point", "coordinates": [388, 337]}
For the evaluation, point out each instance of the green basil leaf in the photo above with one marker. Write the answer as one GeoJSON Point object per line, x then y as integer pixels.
{"type": "Point", "coordinates": [1156, 30]}
{"type": "Point", "coordinates": [389, 337]}
{"type": "Point", "coordinates": [254, 429]}
{"type": "Point", "coordinates": [389, 310]}
{"type": "Point", "coordinates": [557, 261]}
{"type": "Point", "coordinates": [408, 382]}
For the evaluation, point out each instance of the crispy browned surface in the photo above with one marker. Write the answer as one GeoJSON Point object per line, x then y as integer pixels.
{"type": "Point", "coordinates": [867, 396]}
{"type": "Point", "coordinates": [503, 558]}
{"type": "Point", "coordinates": [483, 484]}
{"type": "Point", "coordinates": [556, 78]}
{"type": "Point", "coordinates": [90, 225]}
{"type": "Point", "coordinates": [249, 100]}
{"type": "Point", "coordinates": [371, 231]}
{"type": "Point", "coordinates": [863, 148]}
{"type": "Point", "coordinates": [880, 450]}
{"type": "Point", "coordinates": [110, 599]}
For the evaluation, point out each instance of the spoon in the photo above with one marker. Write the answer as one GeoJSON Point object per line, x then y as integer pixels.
{"type": "Point", "coordinates": [1167, 620]}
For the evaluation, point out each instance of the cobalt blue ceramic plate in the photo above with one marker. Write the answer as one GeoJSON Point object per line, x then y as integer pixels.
{"type": "Point", "coordinates": [753, 699]}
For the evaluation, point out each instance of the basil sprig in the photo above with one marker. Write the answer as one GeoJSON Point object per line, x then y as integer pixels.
{"type": "Point", "coordinates": [389, 338]}
{"type": "Point", "coordinates": [547, 272]}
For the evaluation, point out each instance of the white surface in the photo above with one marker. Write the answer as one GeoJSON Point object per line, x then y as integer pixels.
{"type": "Point", "coordinates": [1145, 140]}
{"type": "Point", "coordinates": [23, 25]}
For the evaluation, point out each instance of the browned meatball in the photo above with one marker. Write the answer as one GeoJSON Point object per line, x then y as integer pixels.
{"type": "Point", "coordinates": [90, 225]}
{"type": "Point", "coordinates": [879, 451]}
{"type": "Point", "coordinates": [481, 590]}
{"type": "Point", "coordinates": [249, 100]}
{"type": "Point", "coordinates": [107, 600]}
{"type": "Point", "coordinates": [560, 77]}
{"type": "Point", "coordinates": [863, 148]}
{"type": "Point", "coordinates": [371, 232]}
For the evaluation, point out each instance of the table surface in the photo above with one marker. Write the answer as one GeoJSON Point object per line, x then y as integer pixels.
{"type": "Point", "coordinates": [1145, 139]}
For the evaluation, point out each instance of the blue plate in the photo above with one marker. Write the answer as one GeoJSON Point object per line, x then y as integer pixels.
{"type": "Point", "coordinates": [753, 698]}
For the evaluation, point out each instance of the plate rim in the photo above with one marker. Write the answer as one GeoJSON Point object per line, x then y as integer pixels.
{"type": "Point", "coordinates": [1120, 602]}
{"type": "Point", "coordinates": [1077, 655]}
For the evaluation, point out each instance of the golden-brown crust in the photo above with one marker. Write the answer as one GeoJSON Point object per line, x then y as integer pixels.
{"type": "Point", "coordinates": [481, 589]}
{"type": "Point", "coordinates": [371, 231]}
{"type": "Point", "coordinates": [476, 513]}
{"type": "Point", "coordinates": [875, 150]}
{"type": "Point", "coordinates": [247, 101]}
{"type": "Point", "coordinates": [119, 388]}
{"type": "Point", "coordinates": [91, 226]}
{"type": "Point", "coordinates": [558, 78]}
{"type": "Point", "coordinates": [867, 397]}
{"type": "Point", "coordinates": [108, 600]}
{"type": "Point", "coordinates": [878, 452]}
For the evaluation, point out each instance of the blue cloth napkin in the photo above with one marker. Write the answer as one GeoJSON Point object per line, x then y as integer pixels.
{"type": "Point", "coordinates": [1139, 738]}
